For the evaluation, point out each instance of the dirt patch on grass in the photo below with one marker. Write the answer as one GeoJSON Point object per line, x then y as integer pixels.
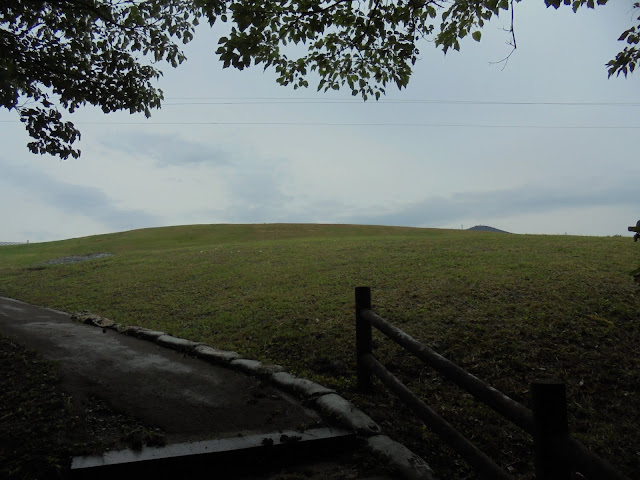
{"type": "Point", "coordinates": [76, 258]}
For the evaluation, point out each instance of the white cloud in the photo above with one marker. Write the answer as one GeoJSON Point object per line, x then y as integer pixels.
{"type": "Point", "coordinates": [166, 149]}
{"type": "Point", "coordinates": [48, 193]}
{"type": "Point", "coordinates": [489, 206]}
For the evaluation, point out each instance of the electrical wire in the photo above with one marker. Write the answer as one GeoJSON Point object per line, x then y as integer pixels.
{"type": "Point", "coordinates": [308, 100]}
{"type": "Point", "coordinates": [366, 124]}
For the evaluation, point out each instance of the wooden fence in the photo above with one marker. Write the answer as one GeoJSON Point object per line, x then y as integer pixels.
{"type": "Point", "coordinates": [557, 455]}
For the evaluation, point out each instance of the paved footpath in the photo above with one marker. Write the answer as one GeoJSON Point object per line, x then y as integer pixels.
{"type": "Point", "coordinates": [190, 399]}
{"type": "Point", "coordinates": [151, 382]}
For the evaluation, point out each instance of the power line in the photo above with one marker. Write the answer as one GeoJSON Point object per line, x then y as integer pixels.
{"type": "Point", "coordinates": [308, 100]}
{"type": "Point", "coordinates": [367, 124]}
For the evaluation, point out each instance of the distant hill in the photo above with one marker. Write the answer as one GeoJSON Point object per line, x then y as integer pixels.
{"type": "Point", "coordinates": [484, 228]}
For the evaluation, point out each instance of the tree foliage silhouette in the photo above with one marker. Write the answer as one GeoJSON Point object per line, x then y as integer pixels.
{"type": "Point", "coordinates": [62, 54]}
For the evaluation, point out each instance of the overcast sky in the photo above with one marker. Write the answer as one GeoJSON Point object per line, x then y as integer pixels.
{"type": "Point", "coordinates": [544, 144]}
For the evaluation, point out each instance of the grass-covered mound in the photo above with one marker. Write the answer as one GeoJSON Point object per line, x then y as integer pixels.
{"type": "Point", "coordinates": [509, 308]}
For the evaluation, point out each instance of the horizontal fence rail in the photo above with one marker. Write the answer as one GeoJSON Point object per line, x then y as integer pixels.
{"type": "Point", "coordinates": [557, 455]}
{"type": "Point", "coordinates": [476, 458]}
{"type": "Point", "coordinates": [501, 403]}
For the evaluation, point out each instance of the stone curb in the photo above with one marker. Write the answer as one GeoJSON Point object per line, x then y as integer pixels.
{"type": "Point", "coordinates": [214, 355]}
{"type": "Point", "coordinates": [95, 320]}
{"type": "Point", "coordinates": [151, 335]}
{"type": "Point", "coordinates": [177, 343]}
{"type": "Point", "coordinates": [301, 386]}
{"type": "Point", "coordinates": [255, 367]}
{"type": "Point", "coordinates": [408, 465]}
{"type": "Point", "coordinates": [347, 414]}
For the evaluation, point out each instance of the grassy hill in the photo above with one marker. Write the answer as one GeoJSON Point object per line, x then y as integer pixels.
{"type": "Point", "coordinates": [508, 308]}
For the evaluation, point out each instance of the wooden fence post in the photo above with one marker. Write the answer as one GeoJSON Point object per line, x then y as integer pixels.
{"type": "Point", "coordinates": [363, 337]}
{"type": "Point", "coordinates": [551, 430]}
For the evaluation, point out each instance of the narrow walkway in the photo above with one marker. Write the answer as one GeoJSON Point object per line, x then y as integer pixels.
{"type": "Point", "coordinates": [187, 398]}
{"type": "Point", "coordinates": [202, 407]}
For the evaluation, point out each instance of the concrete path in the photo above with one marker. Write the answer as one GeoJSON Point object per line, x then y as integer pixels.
{"type": "Point", "coordinates": [187, 398]}
{"type": "Point", "coordinates": [198, 404]}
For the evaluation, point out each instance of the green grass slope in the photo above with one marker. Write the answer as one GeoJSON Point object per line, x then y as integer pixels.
{"type": "Point", "coordinates": [508, 308]}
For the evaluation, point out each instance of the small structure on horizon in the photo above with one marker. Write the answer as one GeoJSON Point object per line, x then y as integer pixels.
{"type": "Point", "coordinates": [485, 228]}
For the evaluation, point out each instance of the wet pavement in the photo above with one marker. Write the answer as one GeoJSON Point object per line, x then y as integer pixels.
{"type": "Point", "coordinates": [211, 416]}
{"type": "Point", "coordinates": [187, 398]}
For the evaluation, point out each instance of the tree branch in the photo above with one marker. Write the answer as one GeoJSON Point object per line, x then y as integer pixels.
{"type": "Point", "coordinates": [512, 43]}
